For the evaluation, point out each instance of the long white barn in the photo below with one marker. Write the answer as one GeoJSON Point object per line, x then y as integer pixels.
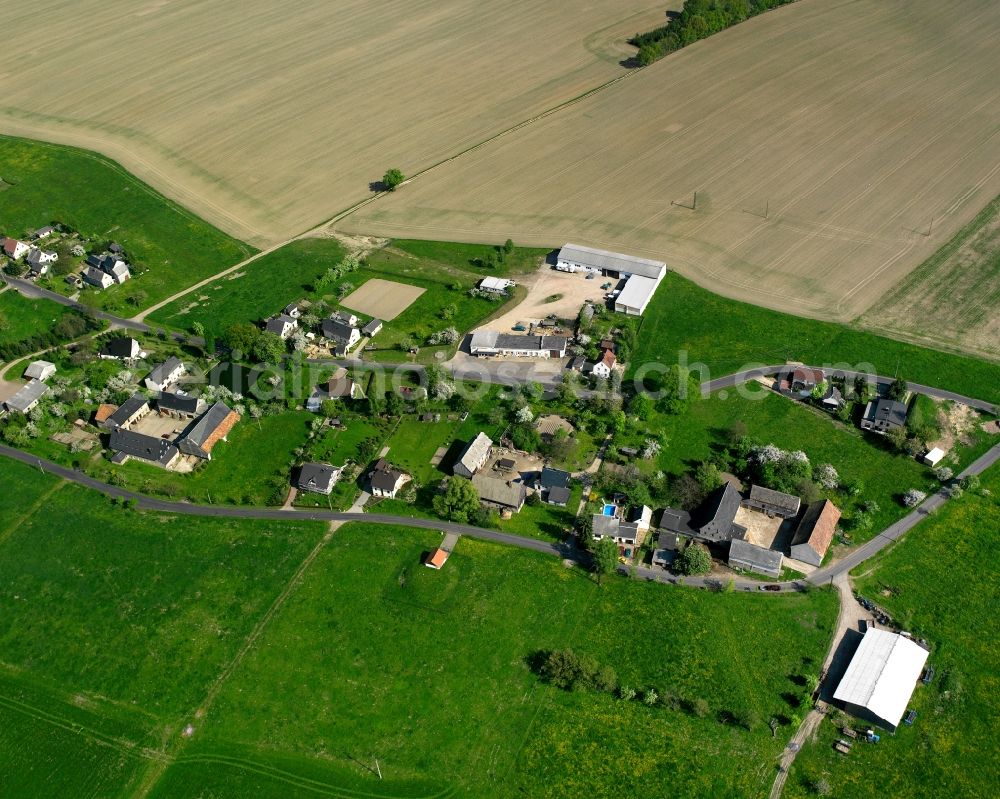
{"type": "Point", "coordinates": [880, 679]}
{"type": "Point", "coordinates": [643, 275]}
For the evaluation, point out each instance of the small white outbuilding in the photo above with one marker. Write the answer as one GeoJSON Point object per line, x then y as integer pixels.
{"type": "Point", "coordinates": [40, 370]}
{"type": "Point", "coordinates": [933, 458]}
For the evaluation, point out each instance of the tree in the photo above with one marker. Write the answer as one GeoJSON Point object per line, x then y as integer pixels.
{"type": "Point", "coordinates": [971, 482]}
{"type": "Point", "coordinates": [198, 329]}
{"type": "Point", "coordinates": [913, 497]}
{"type": "Point", "coordinates": [508, 247]}
{"type": "Point", "coordinates": [392, 178]}
{"type": "Point", "coordinates": [269, 348]}
{"type": "Point", "coordinates": [459, 500]}
{"type": "Point", "coordinates": [897, 390]}
{"type": "Point", "coordinates": [605, 558]}
{"type": "Point", "coordinates": [708, 477]}
{"type": "Point", "coordinates": [695, 560]}
{"type": "Point", "coordinates": [640, 406]}
{"type": "Point", "coordinates": [240, 337]}
{"type": "Point", "coordinates": [678, 388]}
{"type": "Point", "coordinates": [394, 405]}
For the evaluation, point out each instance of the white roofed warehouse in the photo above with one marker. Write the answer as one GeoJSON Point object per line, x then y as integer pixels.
{"type": "Point", "coordinates": [643, 275]}
{"type": "Point", "coordinates": [881, 677]}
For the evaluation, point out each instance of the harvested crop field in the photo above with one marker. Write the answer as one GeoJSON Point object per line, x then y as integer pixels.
{"type": "Point", "coordinates": [824, 141]}
{"type": "Point", "coordinates": [383, 299]}
{"type": "Point", "coordinates": [268, 121]}
{"type": "Point", "coordinates": [953, 298]}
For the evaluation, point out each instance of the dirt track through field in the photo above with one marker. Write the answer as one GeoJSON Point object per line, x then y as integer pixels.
{"type": "Point", "coordinates": [822, 140]}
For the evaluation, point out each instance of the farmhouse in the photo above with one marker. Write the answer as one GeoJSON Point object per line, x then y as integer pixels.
{"type": "Point", "coordinates": [207, 430]}
{"type": "Point", "coordinates": [373, 327]}
{"type": "Point", "coordinates": [804, 380]}
{"type": "Point", "coordinates": [340, 332]}
{"type": "Point", "coordinates": [604, 366]}
{"type": "Point", "coordinates": [495, 285]}
{"type": "Point", "coordinates": [627, 535]}
{"type": "Point", "coordinates": [122, 349]}
{"type": "Point", "coordinates": [490, 343]}
{"type": "Point", "coordinates": [320, 478]}
{"type": "Point", "coordinates": [15, 249]}
{"type": "Point", "coordinates": [717, 516]}
{"type": "Point", "coordinates": [128, 413]}
{"type": "Point", "coordinates": [27, 397]}
{"type": "Point", "coordinates": [553, 484]}
{"type": "Point", "coordinates": [179, 405]}
{"type": "Point", "coordinates": [95, 277]}
{"type": "Point", "coordinates": [43, 232]}
{"type": "Point", "coordinates": [666, 549]}
{"type": "Point", "coordinates": [281, 325]}
{"type": "Point", "coordinates": [40, 370]}
{"type": "Point", "coordinates": [883, 414]}
{"type": "Point", "coordinates": [815, 532]}
{"type": "Point", "coordinates": [386, 480]}
{"type": "Point", "coordinates": [752, 558]}
{"type": "Point", "coordinates": [773, 503]}
{"type": "Point", "coordinates": [881, 677]}
{"type": "Point", "coordinates": [38, 260]}
{"type": "Point", "coordinates": [111, 265]}
{"type": "Point", "coordinates": [127, 444]}
{"type": "Point", "coordinates": [165, 375]}
{"type": "Point", "coordinates": [473, 457]}
{"type": "Point", "coordinates": [495, 492]}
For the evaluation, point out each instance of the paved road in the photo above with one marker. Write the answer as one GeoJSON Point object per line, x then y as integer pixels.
{"type": "Point", "coordinates": [34, 291]}
{"type": "Point", "coordinates": [766, 371]}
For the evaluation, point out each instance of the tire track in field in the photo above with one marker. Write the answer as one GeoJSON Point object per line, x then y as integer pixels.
{"type": "Point", "coordinates": [156, 773]}
{"type": "Point", "coordinates": [30, 512]}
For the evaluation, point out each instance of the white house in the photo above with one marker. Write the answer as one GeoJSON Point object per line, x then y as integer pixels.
{"type": "Point", "coordinates": [604, 366]}
{"type": "Point", "coordinates": [474, 456]}
{"type": "Point", "coordinates": [386, 480]}
{"type": "Point", "coordinates": [122, 349]}
{"type": "Point", "coordinates": [98, 278]}
{"type": "Point", "coordinates": [165, 375]}
{"type": "Point", "coordinates": [340, 332]}
{"type": "Point", "coordinates": [282, 325]}
{"type": "Point", "coordinates": [39, 260]}
{"type": "Point", "coordinates": [15, 249]}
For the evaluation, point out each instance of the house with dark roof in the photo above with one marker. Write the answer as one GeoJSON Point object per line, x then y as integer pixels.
{"type": "Point", "coordinates": [179, 405]}
{"type": "Point", "coordinates": [553, 485]}
{"type": "Point", "coordinates": [495, 492]}
{"type": "Point", "coordinates": [127, 443]}
{"type": "Point", "coordinates": [815, 532]}
{"type": "Point", "coordinates": [386, 480]}
{"type": "Point", "coordinates": [667, 544]}
{"type": "Point", "coordinates": [883, 414]}
{"type": "Point", "coordinates": [98, 278]}
{"type": "Point", "coordinates": [626, 535]}
{"type": "Point", "coordinates": [122, 349]}
{"type": "Point", "coordinates": [43, 232]}
{"type": "Point", "coordinates": [207, 430]}
{"type": "Point", "coordinates": [293, 309]}
{"type": "Point", "coordinates": [38, 261]}
{"type": "Point", "coordinates": [340, 332]}
{"type": "Point", "coordinates": [165, 375]}
{"type": "Point", "coordinates": [281, 325]}
{"type": "Point", "coordinates": [373, 327]}
{"type": "Point", "coordinates": [832, 400]}
{"type": "Point", "coordinates": [490, 343]}
{"type": "Point", "coordinates": [320, 478]}
{"type": "Point", "coordinates": [128, 413]}
{"type": "Point", "coordinates": [677, 522]}
{"type": "Point", "coordinates": [716, 520]}
{"type": "Point", "coordinates": [752, 558]}
{"type": "Point", "coordinates": [773, 503]}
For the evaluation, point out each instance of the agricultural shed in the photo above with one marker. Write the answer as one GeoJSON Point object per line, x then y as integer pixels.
{"type": "Point", "coordinates": [752, 558]}
{"type": "Point", "coordinates": [881, 677]}
{"type": "Point", "coordinates": [573, 257]}
{"type": "Point", "coordinates": [815, 532]}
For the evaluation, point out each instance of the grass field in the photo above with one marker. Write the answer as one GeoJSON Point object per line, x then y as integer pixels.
{"type": "Point", "coordinates": [780, 421]}
{"type": "Point", "coordinates": [822, 140]}
{"type": "Point", "coordinates": [726, 336]}
{"type": "Point", "coordinates": [101, 200]}
{"type": "Point", "coordinates": [266, 140]}
{"type": "Point", "coordinates": [260, 290]}
{"type": "Point", "coordinates": [21, 318]}
{"type": "Point", "coordinates": [942, 580]}
{"type": "Point", "coordinates": [952, 298]}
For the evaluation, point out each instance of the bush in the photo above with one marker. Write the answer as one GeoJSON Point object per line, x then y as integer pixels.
{"type": "Point", "coordinates": [695, 560]}
{"type": "Point", "coordinates": [913, 497]}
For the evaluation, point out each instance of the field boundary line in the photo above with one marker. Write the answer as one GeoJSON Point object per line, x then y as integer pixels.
{"type": "Point", "coordinates": [258, 629]}
{"type": "Point", "coordinates": [35, 507]}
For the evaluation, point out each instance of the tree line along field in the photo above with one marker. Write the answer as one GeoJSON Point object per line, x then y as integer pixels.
{"type": "Point", "coordinates": [824, 142]}
{"type": "Point", "coordinates": [266, 140]}
{"type": "Point", "coordinates": [296, 671]}
{"type": "Point", "coordinates": [939, 582]}
{"type": "Point", "coordinates": [726, 335]}
{"type": "Point", "coordinates": [44, 183]}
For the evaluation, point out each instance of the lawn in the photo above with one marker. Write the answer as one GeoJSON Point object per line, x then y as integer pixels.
{"type": "Point", "coordinates": [548, 522]}
{"type": "Point", "coordinates": [413, 444]}
{"type": "Point", "coordinates": [790, 425]}
{"type": "Point", "coordinates": [21, 318]}
{"type": "Point", "coordinates": [942, 585]}
{"type": "Point", "coordinates": [251, 468]}
{"type": "Point", "coordinates": [95, 196]}
{"type": "Point", "coordinates": [470, 256]}
{"type": "Point", "coordinates": [425, 671]}
{"type": "Point", "coordinates": [261, 289]}
{"type": "Point", "coordinates": [686, 321]}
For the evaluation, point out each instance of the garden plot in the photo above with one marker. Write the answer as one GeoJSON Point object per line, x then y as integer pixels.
{"type": "Point", "coordinates": [382, 299]}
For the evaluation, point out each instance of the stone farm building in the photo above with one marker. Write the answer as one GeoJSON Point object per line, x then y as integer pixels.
{"type": "Point", "coordinates": [491, 343]}
{"type": "Point", "coordinates": [752, 558]}
{"type": "Point", "coordinates": [474, 456]}
{"type": "Point", "coordinates": [642, 275]}
{"type": "Point", "coordinates": [815, 532]}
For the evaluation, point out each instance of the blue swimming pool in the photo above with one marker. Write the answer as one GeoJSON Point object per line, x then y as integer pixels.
{"type": "Point", "coordinates": [609, 510]}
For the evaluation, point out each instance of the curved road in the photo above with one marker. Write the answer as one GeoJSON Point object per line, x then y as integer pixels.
{"type": "Point", "coordinates": [827, 574]}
